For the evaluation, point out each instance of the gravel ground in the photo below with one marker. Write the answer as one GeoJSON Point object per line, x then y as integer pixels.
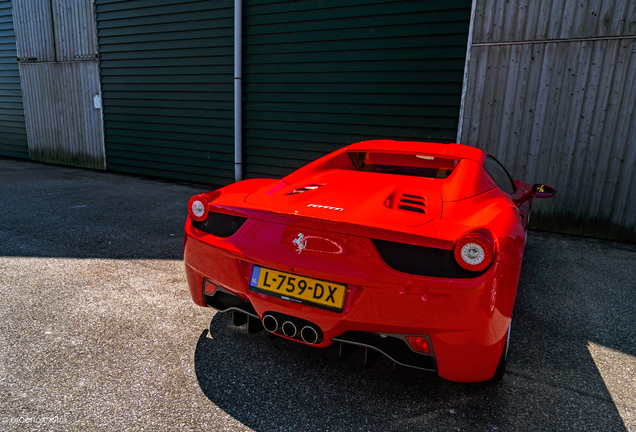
{"type": "Point", "coordinates": [98, 332]}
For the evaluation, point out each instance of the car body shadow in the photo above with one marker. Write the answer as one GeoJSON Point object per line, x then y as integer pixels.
{"type": "Point", "coordinates": [552, 382]}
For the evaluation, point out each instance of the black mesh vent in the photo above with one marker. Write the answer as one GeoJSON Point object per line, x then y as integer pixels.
{"type": "Point", "coordinates": [219, 224]}
{"type": "Point", "coordinates": [422, 261]}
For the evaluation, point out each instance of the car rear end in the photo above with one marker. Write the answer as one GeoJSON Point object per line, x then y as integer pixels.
{"type": "Point", "coordinates": [314, 263]}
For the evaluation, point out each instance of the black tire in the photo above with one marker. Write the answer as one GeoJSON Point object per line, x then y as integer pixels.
{"type": "Point", "coordinates": [501, 367]}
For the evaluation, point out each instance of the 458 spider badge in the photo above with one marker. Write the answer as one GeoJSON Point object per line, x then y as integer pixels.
{"type": "Point", "coordinates": [300, 242]}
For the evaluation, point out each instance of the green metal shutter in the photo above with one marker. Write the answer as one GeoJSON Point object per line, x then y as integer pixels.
{"type": "Point", "coordinates": [167, 84]}
{"type": "Point", "coordinates": [321, 74]}
{"type": "Point", "coordinates": [13, 139]}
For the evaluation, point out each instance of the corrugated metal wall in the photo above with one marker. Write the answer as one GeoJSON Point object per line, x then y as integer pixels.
{"type": "Point", "coordinates": [59, 102]}
{"type": "Point", "coordinates": [551, 92]}
{"type": "Point", "coordinates": [59, 72]}
{"type": "Point", "coordinates": [13, 139]}
{"type": "Point", "coordinates": [323, 74]}
{"type": "Point", "coordinates": [167, 81]}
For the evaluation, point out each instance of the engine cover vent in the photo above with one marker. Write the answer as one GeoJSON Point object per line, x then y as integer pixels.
{"type": "Point", "coordinates": [412, 203]}
{"type": "Point", "coordinates": [304, 189]}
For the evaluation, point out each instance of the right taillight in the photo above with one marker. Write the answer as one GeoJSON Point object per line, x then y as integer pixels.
{"type": "Point", "coordinates": [474, 252]}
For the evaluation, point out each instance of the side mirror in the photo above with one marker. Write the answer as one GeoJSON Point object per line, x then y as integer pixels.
{"type": "Point", "coordinates": [543, 191]}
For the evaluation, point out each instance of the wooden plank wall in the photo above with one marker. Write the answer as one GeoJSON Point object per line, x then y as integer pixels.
{"type": "Point", "coordinates": [168, 87]}
{"type": "Point", "coordinates": [13, 137]}
{"type": "Point", "coordinates": [59, 74]}
{"type": "Point", "coordinates": [550, 90]}
{"type": "Point", "coordinates": [322, 74]}
{"type": "Point", "coordinates": [64, 127]}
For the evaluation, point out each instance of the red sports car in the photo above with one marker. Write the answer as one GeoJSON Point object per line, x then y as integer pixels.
{"type": "Point", "coordinates": [407, 249]}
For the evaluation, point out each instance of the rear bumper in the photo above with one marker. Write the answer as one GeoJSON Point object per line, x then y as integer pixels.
{"type": "Point", "coordinates": [465, 320]}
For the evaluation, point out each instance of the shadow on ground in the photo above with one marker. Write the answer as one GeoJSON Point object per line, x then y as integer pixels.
{"type": "Point", "coordinates": [54, 211]}
{"type": "Point", "coordinates": [565, 300]}
{"type": "Point", "coordinates": [573, 292]}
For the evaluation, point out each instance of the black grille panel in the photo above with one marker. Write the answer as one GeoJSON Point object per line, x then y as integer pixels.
{"type": "Point", "coordinates": [304, 189]}
{"type": "Point", "coordinates": [413, 203]}
{"type": "Point", "coordinates": [220, 225]}
{"type": "Point", "coordinates": [411, 208]}
{"type": "Point", "coordinates": [422, 261]}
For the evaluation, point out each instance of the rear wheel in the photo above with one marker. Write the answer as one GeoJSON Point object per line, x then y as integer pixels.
{"type": "Point", "coordinates": [501, 367]}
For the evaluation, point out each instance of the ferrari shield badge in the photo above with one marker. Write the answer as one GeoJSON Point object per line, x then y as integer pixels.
{"type": "Point", "coordinates": [300, 242]}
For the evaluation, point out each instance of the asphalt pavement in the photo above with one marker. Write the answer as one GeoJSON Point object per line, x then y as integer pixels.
{"type": "Point", "coordinates": [98, 332]}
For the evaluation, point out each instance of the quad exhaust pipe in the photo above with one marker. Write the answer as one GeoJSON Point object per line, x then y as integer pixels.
{"type": "Point", "coordinates": [308, 333]}
{"type": "Point", "coordinates": [289, 329]}
{"type": "Point", "coordinates": [270, 323]}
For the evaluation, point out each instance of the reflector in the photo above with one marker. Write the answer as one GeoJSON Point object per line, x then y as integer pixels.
{"type": "Point", "coordinates": [208, 287]}
{"type": "Point", "coordinates": [419, 343]}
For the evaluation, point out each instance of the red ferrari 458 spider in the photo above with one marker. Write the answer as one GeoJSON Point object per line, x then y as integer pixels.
{"type": "Point", "coordinates": [407, 249]}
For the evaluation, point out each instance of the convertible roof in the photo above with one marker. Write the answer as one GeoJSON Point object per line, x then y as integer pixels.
{"type": "Point", "coordinates": [414, 147]}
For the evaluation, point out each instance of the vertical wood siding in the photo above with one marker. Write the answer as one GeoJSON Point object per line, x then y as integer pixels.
{"type": "Point", "coordinates": [321, 74]}
{"type": "Point", "coordinates": [13, 140]}
{"type": "Point", "coordinates": [542, 20]}
{"type": "Point", "coordinates": [60, 79]}
{"type": "Point", "coordinates": [557, 111]}
{"type": "Point", "coordinates": [55, 30]}
{"type": "Point", "coordinates": [167, 82]}
{"type": "Point", "coordinates": [75, 33]}
{"type": "Point", "coordinates": [64, 126]}
{"type": "Point", "coordinates": [34, 30]}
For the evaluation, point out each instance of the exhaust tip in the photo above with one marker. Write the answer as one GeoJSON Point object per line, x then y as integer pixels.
{"type": "Point", "coordinates": [309, 335]}
{"type": "Point", "coordinates": [289, 329]}
{"type": "Point", "coordinates": [270, 323]}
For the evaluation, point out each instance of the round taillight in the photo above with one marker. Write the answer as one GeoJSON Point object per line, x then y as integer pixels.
{"type": "Point", "coordinates": [474, 252]}
{"type": "Point", "coordinates": [198, 207]}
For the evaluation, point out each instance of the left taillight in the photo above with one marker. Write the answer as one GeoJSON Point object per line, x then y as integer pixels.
{"type": "Point", "coordinates": [474, 252]}
{"type": "Point", "coordinates": [198, 206]}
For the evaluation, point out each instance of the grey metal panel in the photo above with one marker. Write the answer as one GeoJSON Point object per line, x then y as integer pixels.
{"type": "Point", "coordinates": [63, 125]}
{"type": "Point", "coordinates": [75, 33]}
{"type": "Point", "coordinates": [561, 113]}
{"type": "Point", "coordinates": [34, 30]}
{"type": "Point", "coordinates": [535, 20]}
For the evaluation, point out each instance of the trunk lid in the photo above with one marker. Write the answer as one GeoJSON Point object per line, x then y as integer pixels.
{"type": "Point", "coordinates": [366, 198]}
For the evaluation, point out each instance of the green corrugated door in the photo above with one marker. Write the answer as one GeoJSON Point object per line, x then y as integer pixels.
{"type": "Point", "coordinates": [321, 74]}
{"type": "Point", "coordinates": [13, 139]}
{"type": "Point", "coordinates": [167, 84]}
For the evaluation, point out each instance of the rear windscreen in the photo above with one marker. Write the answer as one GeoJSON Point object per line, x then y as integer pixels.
{"type": "Point", "coordinates": [404, 164]}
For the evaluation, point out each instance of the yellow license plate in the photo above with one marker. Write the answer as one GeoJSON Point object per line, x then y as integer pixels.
{"type": "Point", "coordinates": [299, 289]}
